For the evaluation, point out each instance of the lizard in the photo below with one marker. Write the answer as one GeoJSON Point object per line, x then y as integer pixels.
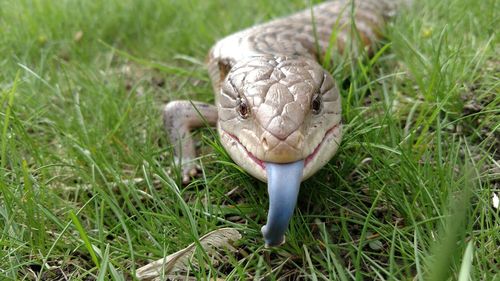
{"type": "Point", "coordinates": [277, 110]}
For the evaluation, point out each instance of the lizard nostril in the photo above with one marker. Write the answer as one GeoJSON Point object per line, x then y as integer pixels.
{"type": "Point", "coordinates": [264, 143]}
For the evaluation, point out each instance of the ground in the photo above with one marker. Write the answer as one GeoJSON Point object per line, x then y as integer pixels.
{"type": "Point", "coordinates": [89, 192]}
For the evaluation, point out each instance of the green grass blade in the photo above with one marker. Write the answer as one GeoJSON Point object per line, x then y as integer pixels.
{"type": "Point", "coordinates": [85, 238]}
{"type": "Point", "coordinates": [466, 267]}
{"type": "Point", "coordinates": [6, 122]}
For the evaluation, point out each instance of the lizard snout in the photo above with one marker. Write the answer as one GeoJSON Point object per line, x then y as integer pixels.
{"type": "Point", "coordinates": [279, 150]}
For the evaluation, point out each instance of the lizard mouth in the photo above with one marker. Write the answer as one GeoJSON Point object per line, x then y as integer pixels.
{"type": "Point", "coordinates": [308, 159]}
{"type": "Point", "coordinates": [250, 155]}
{"type": "Point", "coordinates": [328, 133]}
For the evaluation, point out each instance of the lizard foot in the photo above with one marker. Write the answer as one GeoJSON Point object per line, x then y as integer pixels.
{"type": "Point", "coordinates": [189, 170]}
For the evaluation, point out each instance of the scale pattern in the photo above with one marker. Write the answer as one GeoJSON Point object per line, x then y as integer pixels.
{"type": "Point", "coordinates": [271, 73]}
{"type": "Point", "coordinates": [295, 35]}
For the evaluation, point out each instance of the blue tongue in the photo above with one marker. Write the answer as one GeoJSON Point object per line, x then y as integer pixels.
{"type": "Point", "coordinates": [283, 183]}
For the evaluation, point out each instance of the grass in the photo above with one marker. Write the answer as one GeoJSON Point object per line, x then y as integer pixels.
{"type": "Point", "coordinates": [86, 191]}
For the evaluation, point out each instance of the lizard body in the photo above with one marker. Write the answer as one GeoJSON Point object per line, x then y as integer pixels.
{"type": "Point", "coordinates": [277, 111]}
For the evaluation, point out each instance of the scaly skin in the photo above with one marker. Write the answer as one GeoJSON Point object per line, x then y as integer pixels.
{"type": "Point", "coordinates": [276, 107]}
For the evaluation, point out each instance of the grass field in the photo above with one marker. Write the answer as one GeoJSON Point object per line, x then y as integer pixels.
{"type": "Point", "coordinates": [87, 186]}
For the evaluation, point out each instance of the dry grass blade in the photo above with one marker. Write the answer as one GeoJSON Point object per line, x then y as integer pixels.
{"type": "Point", "coordinates": [178, 261]}
{"type": "Point", "coordinates": [495, 200]}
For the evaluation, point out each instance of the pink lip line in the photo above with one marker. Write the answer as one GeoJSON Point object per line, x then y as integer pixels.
{"type": "Point", "coordinates": [315, 151]}
{"type": "Point", "coordinates": [250, 155]}
{"type": "Point", "coordinates": [262, 164]}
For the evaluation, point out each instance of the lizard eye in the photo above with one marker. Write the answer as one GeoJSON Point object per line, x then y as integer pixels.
{"type": "Point", "coordinates": [317, 104]}
{"type": "Point", "coordinates": [243, 109]}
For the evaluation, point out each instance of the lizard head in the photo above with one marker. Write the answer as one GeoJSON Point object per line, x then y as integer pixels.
{"type": "Point", "coordinates": [279, 119]}
{"type": "Point", "coordinates": [279, 109]}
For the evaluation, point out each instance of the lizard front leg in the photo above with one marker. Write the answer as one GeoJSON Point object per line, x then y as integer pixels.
{"type": "Point", "coordinates": [180, 118]}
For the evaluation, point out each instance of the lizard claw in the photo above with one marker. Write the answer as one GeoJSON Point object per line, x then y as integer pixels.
{"type": "Point", "coordinates": [189, 169]}
{"type": "Point", "coordinates": [189, 172]}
